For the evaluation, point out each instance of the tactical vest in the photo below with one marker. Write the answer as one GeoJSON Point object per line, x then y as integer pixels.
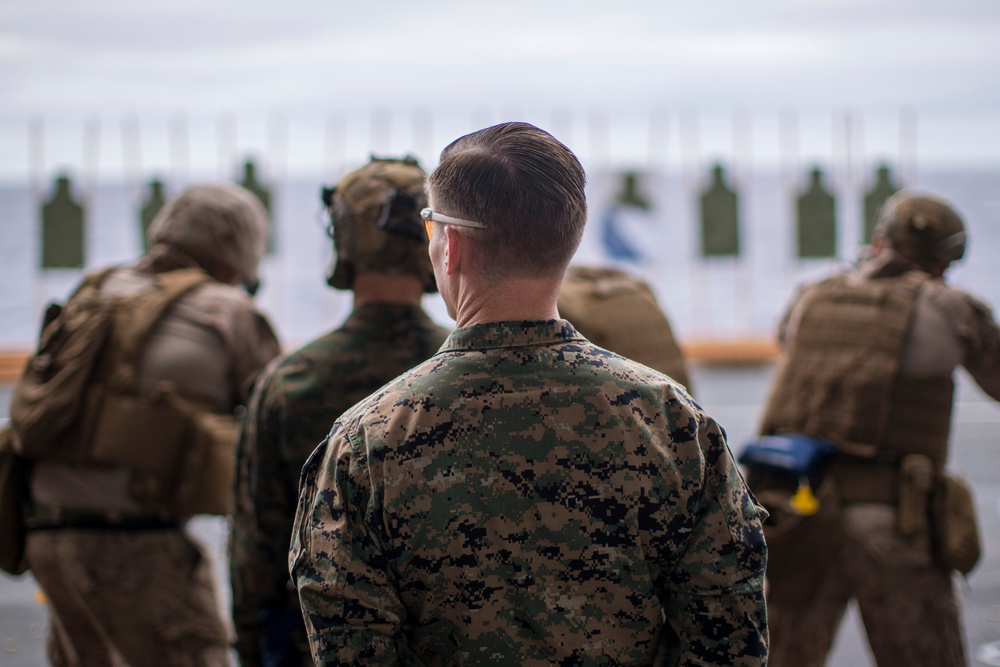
{"type": "Point", "coordinates": [621, 314]}
{"type": "Point", "coordinates": [841, 378]}
{"type": "Point", "coordinates": [178, 450]}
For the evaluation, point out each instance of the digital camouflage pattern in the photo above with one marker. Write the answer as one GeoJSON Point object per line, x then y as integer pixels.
{"type": "Point", "coordinates": [525, 497]}
{"type": "Point", "coordinates": [292, 409]}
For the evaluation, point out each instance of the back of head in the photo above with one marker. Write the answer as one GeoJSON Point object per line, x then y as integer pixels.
{"type": "Point", "coordinates": [375, 220]}
{"type": "Point", "coordinates": [526, 187]}
{"type": "Point", "coordinates": [921, 228]}
{"type": "Point", "coordinates": [218, 226]}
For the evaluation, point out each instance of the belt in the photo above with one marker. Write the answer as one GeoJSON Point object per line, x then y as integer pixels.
{"type": "Point", "coordinates": [43, 516]}
{"type": "Point", "coordinates": [860, 481]}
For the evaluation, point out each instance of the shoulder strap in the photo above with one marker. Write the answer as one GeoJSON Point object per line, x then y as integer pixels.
{"type": "Point", "coordinates": [94, 279]}
{"type": "Point", "coordinates": [135, 317]}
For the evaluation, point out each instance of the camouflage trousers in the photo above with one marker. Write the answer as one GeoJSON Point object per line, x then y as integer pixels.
{"type": "Point", "coordinates": [128, 598]}
{"type": "Point", "coordinates": [909, 607]}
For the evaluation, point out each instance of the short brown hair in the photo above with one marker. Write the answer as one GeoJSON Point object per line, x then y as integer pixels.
{"type": "Point", "coordinates": [526, 186]}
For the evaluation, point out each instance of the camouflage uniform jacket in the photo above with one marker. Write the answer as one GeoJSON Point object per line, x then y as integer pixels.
{"type": "Point", "coordinates": [291, 411]}
{"type": "Point", "coordinates": [526, 497]}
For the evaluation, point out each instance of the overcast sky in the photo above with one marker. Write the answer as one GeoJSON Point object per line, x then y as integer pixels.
{"type": "Point", "coordinates": [68, 60]}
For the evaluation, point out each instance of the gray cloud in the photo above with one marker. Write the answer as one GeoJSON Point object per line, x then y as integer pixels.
{"type": "Point", "coordinates": [212, 56]}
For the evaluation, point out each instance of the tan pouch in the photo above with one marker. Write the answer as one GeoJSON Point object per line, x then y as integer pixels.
{"type": "Point", "coordinates": [916, 480]}
{"type": "Point", "coordinates": [207, 478]}
{"type": "Point", "coordinates": [139, 434]}
{"type": "Point", "coordinates": [955, 524]}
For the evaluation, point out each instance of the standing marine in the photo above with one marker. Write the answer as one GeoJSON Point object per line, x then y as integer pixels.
{"type": "Point", "coordinates": [124, 582]}
{"type": "Point", "coordinates": [381, 255]}
{"type": "Point", "coordinates": [524, 497]}
{"type": "Point", "coordinates": [867, 378]}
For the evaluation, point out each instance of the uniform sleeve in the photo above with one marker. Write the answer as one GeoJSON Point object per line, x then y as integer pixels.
{"type": "Point", "coordinates": [981, 336]}
{"type": "Point", "coordinates": [712, 592]}
{"type": "Point", "coordinates": [347, 588]}
{"type": "Point", "coordinates": [256, 345]}
{"type": "Point", "coordinates": [261, 523]}
{"type": "Point", "coordinates": [788, 325]}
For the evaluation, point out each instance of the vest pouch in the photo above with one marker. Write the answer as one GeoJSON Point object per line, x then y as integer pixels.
{"type": "Point", "coordinates": [136, 433]}
{"type": "Point", "coordinates": [955, 525]}
{"type": "Point", "coordinates": [799, 548]}
{"type": "Point", "coordinates": [208, 479]}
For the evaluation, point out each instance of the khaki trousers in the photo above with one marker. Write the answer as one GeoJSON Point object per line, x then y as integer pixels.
{"type": "Point", "coordinates": [128, 598]}
{"type": "Point", "coordinates": [909, 607]}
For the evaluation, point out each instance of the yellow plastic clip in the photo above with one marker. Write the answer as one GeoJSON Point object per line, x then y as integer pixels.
{"type": "Point", "coordinates": [804, 502]}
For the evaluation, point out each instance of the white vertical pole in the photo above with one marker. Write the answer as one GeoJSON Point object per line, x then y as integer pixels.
{"type": "Point", "coordinates": [132, 157]}
{"type": "Point", "coordinates": [598, 140]}
{"type": "Point", "coordinates": [179, 153]}
{"type": "Point", "coordinates": [226, 143]}
{"type": "Point", "coordinates": [277, 146]}
{"type": "Point", "coordinates": [380, 132]}
{"type": "Point", "coordinates": [908, 136]}
{"type": "Point", "coordinates": [274, 177]}
{"type": "Point", "coordinates": [743, 172]}
{"type": "Point", "coordinates": [36, 157]}
{"type": "Point", "coordinates": [335, 145]}
{"type": "Point", "coordinates": [89, 179]}
{"type": "Point", "coordinates": [658, 142]}
{"type": "Point", "coordinates": [423, 138]}
{"type": "Point", "coordinates": [701, 289]}
{"type": "Point", "coordinates": [788, 128]}
{"type": "Point", "coordinates": [562, 126]}
{"type": "Point", "coordinates": [91, 153]}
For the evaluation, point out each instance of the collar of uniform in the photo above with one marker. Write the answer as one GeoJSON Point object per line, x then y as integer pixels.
{"type": "Point", "coordinates": [510, 334]}
{"type": "Point", "coordinates": [385, 312]}
{"type": "Point", "coordinates": [888, 264]}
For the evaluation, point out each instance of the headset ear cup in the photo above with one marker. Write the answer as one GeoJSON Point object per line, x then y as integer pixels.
{"type": "Point", "coordinates": [400, 215]}
{"type": "Point", "coordinates": [326, 195]}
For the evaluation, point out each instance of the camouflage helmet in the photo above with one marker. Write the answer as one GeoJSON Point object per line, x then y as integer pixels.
{"type": "Point", "coordinates": [921, 228]}
{"type": "Point", "coordinates": [218, 226]}
{"type": "Point", "coordinates": [375, 222]}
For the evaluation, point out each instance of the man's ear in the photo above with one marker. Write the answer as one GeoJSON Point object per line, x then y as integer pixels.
{"type": "Point", "coordinates": [454, 249]}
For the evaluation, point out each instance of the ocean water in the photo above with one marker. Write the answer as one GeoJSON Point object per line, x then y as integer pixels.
{"type": "Point", "coordinates": [706, 298]}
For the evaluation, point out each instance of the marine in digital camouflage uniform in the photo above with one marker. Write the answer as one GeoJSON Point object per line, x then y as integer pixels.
{"type": "Point", "coordinates": [294, 404]}
{"type": "Point", "coordinates": [525, 497]}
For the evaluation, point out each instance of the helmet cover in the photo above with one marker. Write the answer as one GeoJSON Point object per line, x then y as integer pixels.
{"type": "Point", "coordinates": [375, 222]}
